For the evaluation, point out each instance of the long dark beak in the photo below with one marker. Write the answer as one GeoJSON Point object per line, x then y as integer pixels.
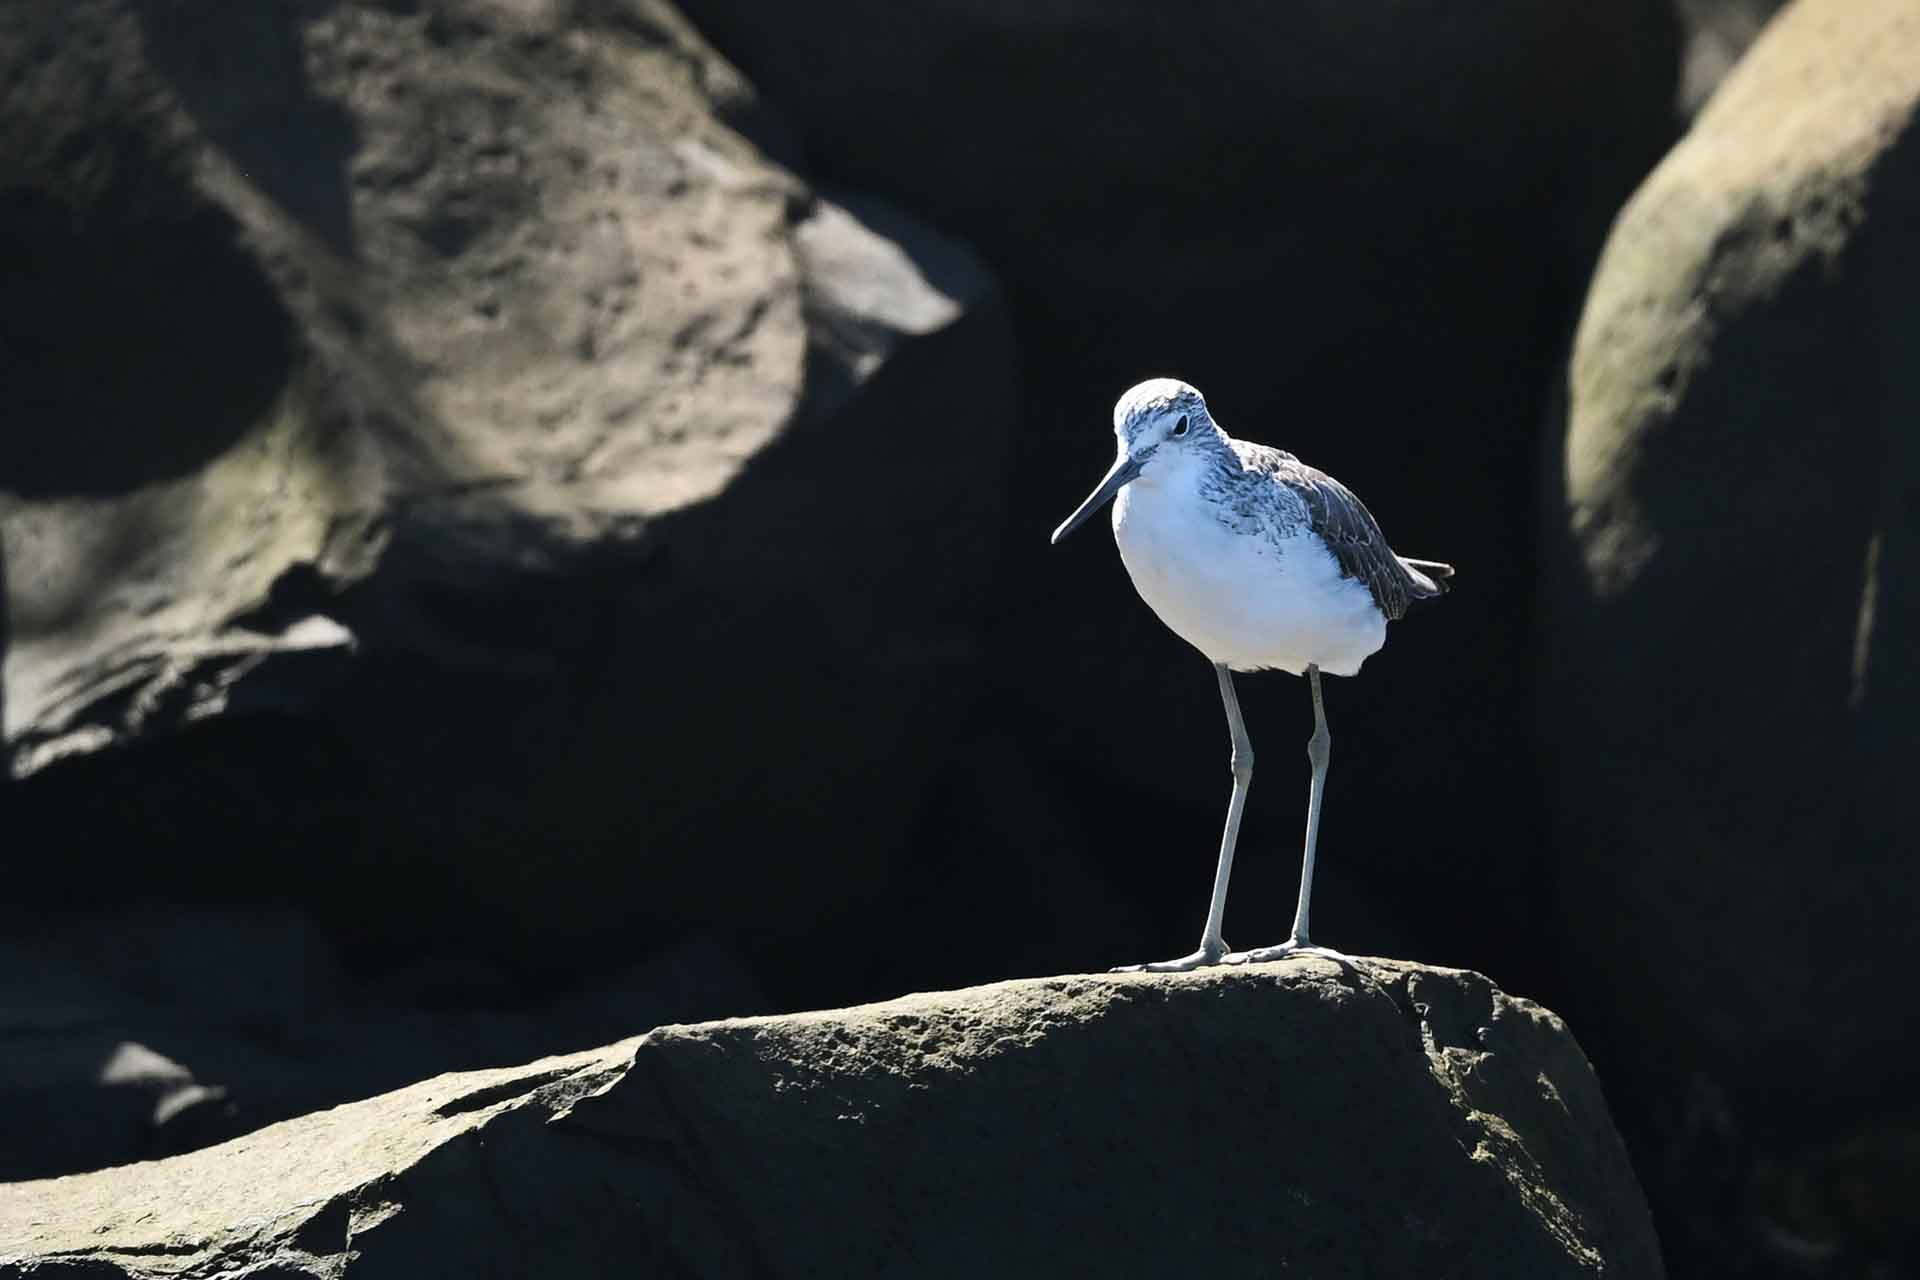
{"type": "Point", "coordinates": [1124, 469]}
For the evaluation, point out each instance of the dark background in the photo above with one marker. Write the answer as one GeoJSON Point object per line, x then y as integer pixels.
{"type": "Point", "coordinates": [849, 727]}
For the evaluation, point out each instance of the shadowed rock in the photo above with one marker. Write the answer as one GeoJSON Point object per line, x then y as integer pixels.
{"type": "Point", "coordinates": [1732, 642]}
{"type": "Point", "coordinates": [1302, 1118]}
{"type": "Point", "coordinates": [440, 446]}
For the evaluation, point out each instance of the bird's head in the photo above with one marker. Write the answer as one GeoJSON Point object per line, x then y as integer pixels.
{"type": "Point", "coordinates": [1154, 423]}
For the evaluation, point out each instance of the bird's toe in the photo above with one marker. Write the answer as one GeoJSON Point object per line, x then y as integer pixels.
{"type": "Point", "coordinates": [1284, 951]}
{"type": "Point", "coordinates": [1186, 963]}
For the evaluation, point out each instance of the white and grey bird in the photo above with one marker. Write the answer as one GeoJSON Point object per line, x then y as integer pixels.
{"type": "Point", "coordinates": [1261, 563]}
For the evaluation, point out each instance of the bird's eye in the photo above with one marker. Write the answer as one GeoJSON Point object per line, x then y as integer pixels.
{"type": "Point", "coordinates": [1180, 427]}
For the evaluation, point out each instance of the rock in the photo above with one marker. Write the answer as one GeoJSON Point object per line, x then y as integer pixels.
{"type": "Point", "coordinates": [423, 421]}
{"type": "Point", "coordinates": [1363, 233]}
{"type": "Point", "coordinates": [1731, 678]}
{"type": "Point", "coordinates": [1306, 1118]}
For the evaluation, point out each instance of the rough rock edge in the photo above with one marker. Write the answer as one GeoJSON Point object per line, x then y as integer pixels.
{"type": "Point", "coordinates": [868, 281]}
{"type": "Point", "coordinates": [134, 1220]}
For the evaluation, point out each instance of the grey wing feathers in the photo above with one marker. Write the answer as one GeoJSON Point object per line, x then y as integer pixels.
{"type": "Point", "coordinates": [1437, 575]}
{"type": "Point", "coordinates": [1350, 532]}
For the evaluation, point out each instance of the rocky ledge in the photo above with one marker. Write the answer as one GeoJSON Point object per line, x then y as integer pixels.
{"type": "Point", "coordinates": [1302, 1118]}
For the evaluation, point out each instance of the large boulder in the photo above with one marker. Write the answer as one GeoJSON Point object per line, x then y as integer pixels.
{"type": "Point", "coordinates": [447, 463]}
{"type": "Point", "coordinates": [1731, 650]}
{"type": "Point", "coordinates": [1307, 1118]}
{"type": "Point", "coordinates": [1361, 229]}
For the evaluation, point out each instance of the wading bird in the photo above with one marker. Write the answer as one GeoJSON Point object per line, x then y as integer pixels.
{"type": "Point", "coordinates": [1260, 562]}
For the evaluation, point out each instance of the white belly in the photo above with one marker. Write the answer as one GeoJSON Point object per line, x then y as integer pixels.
{"type": "Point", "coordinates": [1243, 598]}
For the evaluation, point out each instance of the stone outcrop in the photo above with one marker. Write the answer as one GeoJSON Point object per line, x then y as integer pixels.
{"type": "Point", "coordinates": [1732, 678]}
{"type": "Point", "coordinates": [438, 433]}
{"type": "Point", "coordinates": [1305, 1118]}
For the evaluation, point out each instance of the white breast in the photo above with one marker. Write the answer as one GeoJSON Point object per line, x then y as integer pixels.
{"type": "Point", "coordinates": [1247, 599]}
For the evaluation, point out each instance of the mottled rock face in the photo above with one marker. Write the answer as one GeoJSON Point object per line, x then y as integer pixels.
{"type": "Point", "coordinates": [450, 402]}
{"type": "Point", "coordinates": [1732, 658]}
{"type": "Point", "coordinates": [389, 205]}
{"type": "Point", "coordinates": [1304, 1118]}
{"type": "Point", "coordinates": [530, 278]}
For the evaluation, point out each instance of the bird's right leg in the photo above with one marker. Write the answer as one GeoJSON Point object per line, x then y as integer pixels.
{"type": "Point", "coordinates": [1212, 946]}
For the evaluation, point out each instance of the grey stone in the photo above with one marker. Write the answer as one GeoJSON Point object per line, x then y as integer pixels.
{"type": "Point", "coordinates": [438, 434]}
{"type": "Point", "coordinates": [1305, 1118]}
{"type": "Point", "coordinates": [1731, 674]}
{"type": "Point", "coordinates": [548, 297]}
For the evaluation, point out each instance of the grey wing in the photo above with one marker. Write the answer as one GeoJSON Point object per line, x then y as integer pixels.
{"type": "Point", "coordinates": [1350, 532]}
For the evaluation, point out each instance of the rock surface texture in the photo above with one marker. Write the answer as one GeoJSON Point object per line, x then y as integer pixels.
{"type": "Point", "coordinates": [425, 425]}
{"type": "Point", "coordinates": [1296, 1119]}
{"type": "Point", "coordinates": [1733, 642]}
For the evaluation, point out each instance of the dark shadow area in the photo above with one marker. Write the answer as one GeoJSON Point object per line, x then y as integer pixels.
{"type": "Point", "coordinates": [165, 1024]}
{"type": "Point", "coordinates": [136, 342]}
{"type": "Point", "coordinates": [242, 74]}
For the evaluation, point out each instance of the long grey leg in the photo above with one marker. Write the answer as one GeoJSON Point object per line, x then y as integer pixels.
{"type": "Point", "coordinates": [1241, 762]}
{"type": "Point", "coordinates": [1318, 749]}
{"type": "Point", "coordinates": [1212, 947]}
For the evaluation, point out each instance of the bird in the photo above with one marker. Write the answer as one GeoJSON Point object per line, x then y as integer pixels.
{"type": "Point", "coordinates": [1260, 562]}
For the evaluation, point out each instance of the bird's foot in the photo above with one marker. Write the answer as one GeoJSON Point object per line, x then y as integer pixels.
{"type": "Point", "coordinates": [1291, 947]}
{"type": "Point", "coordinates": [1197, 960]}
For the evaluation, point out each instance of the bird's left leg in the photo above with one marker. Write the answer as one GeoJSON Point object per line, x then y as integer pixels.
{"type": "Point", "coordinates": [1318, 749]}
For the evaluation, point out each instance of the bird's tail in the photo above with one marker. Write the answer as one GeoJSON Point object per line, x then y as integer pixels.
{"type": "Point", "coordinates": [1430, 574]}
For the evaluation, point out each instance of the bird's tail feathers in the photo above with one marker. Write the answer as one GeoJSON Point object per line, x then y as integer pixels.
{"type": "Point", "coordinates": [1430, 574]}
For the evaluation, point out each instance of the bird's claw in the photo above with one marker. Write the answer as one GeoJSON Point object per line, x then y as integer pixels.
{"type": "Point", "coordinates": [1185, 964]}
{"type": "Point", "coordinates": [1284, 951]}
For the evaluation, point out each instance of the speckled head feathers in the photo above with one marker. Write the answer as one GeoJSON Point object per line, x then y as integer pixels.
{"type": "Point", "coordinates": [1155, 399]}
